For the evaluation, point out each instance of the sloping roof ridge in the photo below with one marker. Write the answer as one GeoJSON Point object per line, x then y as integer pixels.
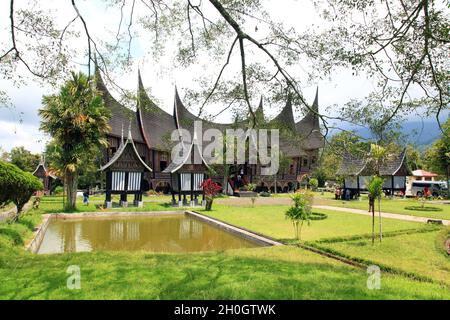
{"type": "Point", "coordinates": [120, 151]}
{"type": "Point", "coordinates": [143, 91]}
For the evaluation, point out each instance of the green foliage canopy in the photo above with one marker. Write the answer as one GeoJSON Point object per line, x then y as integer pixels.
{"type": "Point", "coordinates": [16, 185]}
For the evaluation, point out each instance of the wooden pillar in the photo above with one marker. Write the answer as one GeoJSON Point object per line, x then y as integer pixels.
{"type": "Point", "coordinates": [192, 187]}
{"type": "Point", "coordinates": [108, 202]}
{"type": "Point", "coordinates": [154, 165]}
{"type": "Point", "coordinates": [358, 185]}
{"type": "Point", "coordinates": [392, 186]}
{"type": "Point", "coordinates": [179, 187]}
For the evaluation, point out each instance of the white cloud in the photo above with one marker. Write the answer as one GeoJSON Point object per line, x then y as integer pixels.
{"type": "Point", "coordinates": [17, 134]}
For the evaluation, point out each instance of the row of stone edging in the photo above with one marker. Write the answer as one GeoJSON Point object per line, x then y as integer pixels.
{"type": "Point", "coordinates": [39, 233]}
{"type": "Point", "coordinates": [113, 214]}
{"type": "Point", "coordinates": [240, 231]}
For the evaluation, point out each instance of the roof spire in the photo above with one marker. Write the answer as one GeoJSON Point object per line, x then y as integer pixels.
{"type": "Point", "coordinates": [130, 137]}
{"type": "Point", "coordinates": [315, 105]}
{"type": "Point", "coordinates": [121, 138]}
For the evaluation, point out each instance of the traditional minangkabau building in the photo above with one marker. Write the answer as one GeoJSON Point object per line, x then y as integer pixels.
{"type": "Point", "coordinates": [151, 129]}
{"type": "Point", "coordinates": [46, 175]}
{"type": "Point", "coordinates": [357, 172]}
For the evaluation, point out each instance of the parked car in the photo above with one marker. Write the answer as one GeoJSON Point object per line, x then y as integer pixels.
{"type": "Point", "coordinates": [419, 188]}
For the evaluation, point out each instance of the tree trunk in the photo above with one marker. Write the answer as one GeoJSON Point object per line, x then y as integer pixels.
{"type": "Point", "coordinates": [225, 179]}
{"type": "Point", "coordinates": [379, 215]}
{"type": "Point", "coordinates": [71, 184]}
{"type": "Point", "coordinates": [373, 222]}
{"type": "Point", "coordinates": [448, 184]}
{"type": "Point", "coordinates": [209, 203]}
{"type": "Point", "coordinates": [275, 188]}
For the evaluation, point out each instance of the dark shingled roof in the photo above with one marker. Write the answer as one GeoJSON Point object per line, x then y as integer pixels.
{"type": "Point", "coordinates": [286, 116]}
{"type": "Point", "coordinates": [393, 165]}
{"type": "Point", "coordinates": [185, 119]}
{"type": "Point", "coordinates": [351, 165]}
{"type": "Point", "coordinates": [123, 146]}
{"type": "Point", "coordinates": [152, 125]}
{"type": "Point", "coordinates": [192, 149]}
{"type": "Point", "coordinates": [309, 127]}
{"type": "Point", "coordinates": [120, 116]}
{"type": "Point", "coordinates": [156, 124]}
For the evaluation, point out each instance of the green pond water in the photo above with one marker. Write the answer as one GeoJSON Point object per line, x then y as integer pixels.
{"type": "Point", "coordinates": [168, 233]}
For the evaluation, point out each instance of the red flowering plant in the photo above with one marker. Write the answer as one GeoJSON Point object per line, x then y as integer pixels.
{"type": "Point", "coordinates": [210, 189]}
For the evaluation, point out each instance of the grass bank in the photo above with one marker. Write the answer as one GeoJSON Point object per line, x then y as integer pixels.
{"type": "Point", "coordinates": [395, 205]}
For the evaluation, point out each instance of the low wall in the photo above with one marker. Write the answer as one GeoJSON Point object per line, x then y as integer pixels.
{"type": "Point", "coordinates": [39, 233]}
{"type": "Point", "coordinates": [235, 230]}
{"type": "Point", "coordinates": [35, 243]}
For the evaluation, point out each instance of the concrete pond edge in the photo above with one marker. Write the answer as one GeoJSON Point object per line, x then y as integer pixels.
{"type": "Point", "coordinates": [39, 232]}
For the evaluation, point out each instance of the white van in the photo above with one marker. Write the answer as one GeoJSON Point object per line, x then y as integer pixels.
{"type": "Point", "coordinates": [417, 189]}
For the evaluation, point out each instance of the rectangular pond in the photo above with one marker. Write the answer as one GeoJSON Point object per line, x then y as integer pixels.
{"type": "Point", "coordinates": [157, 233]}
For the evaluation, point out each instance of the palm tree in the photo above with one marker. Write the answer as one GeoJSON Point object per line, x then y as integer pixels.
{"type": "Point", "coordinates": [78, 122]}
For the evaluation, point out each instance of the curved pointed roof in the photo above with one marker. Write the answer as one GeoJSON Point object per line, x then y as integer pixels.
{"type": "Point", "coordinates": [153, 126]}
{"type": "Point", "coordinates": [155, 123]}
{"type": "Point", "coordinates": [123, 146]}
{"type": "Point", "coordinates": [43, 167]}
{"type": "Point", "coordinates": [309, 126]}
{"type": "Point", "coordinates": [119, 113]}
{"type": "Point", "coordinates": [286, 116]}
{"type": "Point", "coordinates": [259, 112]}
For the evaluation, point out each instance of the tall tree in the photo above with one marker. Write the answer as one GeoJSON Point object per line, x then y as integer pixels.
{"type": "Point", "coordinates": [78, 122]}
{"type": "Point", "coordinates": [438, 155]}
{"type": "Point", "coordinates": [339, 144]}
{"type": "Point", "coordinates": [24, 159]}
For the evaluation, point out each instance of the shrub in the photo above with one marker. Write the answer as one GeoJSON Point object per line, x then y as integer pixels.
{"type": "Point", "coordinates": [58, 190]}
{"type": "Point", "coordinates": [250, 187]}
{"type": "Point", "coordinates": [210, 189]}
{"type": "Point", "coordinates": [314, 183]}
{"type": "Point", "coordinates": [264, 194]}
{"type": "Point", "coordinates": [17, 186]}
{"type": "Point", "coordinates": [300, 211]}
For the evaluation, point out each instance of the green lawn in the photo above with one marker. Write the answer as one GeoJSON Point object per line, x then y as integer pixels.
{"type": "Point", "coordinates": [285, 272]}
{"type": "Point", "coordinates": [387, 205]}
{"type": "Point", "coordinates": [264, 273]}
{"type": "Point", "coordinates": [54, 204]}
{"type": "Point", "coordinates": [420, 253]}
{"type": "Point", "coordinates": [414, 252]}
{"type": "Point", "coordinates": [270, 220]}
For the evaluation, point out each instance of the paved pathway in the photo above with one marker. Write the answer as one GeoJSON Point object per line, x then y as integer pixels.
{"type": "Point", "coordinates": [383, 214]}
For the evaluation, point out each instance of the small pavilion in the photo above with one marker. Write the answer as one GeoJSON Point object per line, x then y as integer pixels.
{"type": "Point", "coordinates": [45, 175]}
{"type": "Point", "coordinates": [125, 174]}
{"type": "Point", "coordinates": [186, 176]}
{"type": "Point", "coordinates": [357, 173]}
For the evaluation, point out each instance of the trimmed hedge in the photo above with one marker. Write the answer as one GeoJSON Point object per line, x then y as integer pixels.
{"type": "Point", "coordinates": [424, 209]}
{"type": "Point", "coordinates": [17, 186]}
{"type": "Point", "coordinates": [318, 216]}
{"type": "Point", "coordinates": [425, 229]}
